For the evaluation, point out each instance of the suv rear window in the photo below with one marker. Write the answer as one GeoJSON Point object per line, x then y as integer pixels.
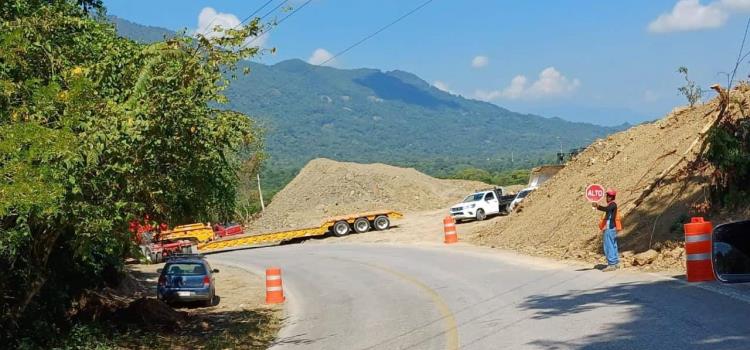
{"type": "Point", "coordinates": [185, 269]}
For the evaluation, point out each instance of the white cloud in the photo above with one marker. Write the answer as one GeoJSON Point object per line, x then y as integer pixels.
{"type": "Point", "coordinates": [551, 83]}
{"type": "Point", "coordinates": [209, 19]}
{"type": "Point", "coordinates": [321, 55]}
{"type": "Point", "coordinates": [480, 61]}
{"type": "Point", "coordinates": [441, 85]}
{"type": "Point", "coordinates": [687, 15]}
{"type": "Point", "coordinates": [741, 5]}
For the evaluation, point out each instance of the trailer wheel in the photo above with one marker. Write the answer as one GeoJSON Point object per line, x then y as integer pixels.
{"type": "Point", "coordinates": [381, 223]}
{"type": "Point", "coordinates": [341, 228]}
{"type": "Point", "coordinates": [361, 225]}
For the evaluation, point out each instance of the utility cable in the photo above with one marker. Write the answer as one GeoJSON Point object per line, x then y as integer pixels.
{"type": "Point", "coordinates": [399, 19]}
{"type": "Point", "coordinates": [290, 14]}
{"type": "Point", "coordinates": [274, 9]}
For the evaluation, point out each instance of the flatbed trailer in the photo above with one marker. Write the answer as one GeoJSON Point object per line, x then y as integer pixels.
{"type": "Point", "coordinates": [338, 226]}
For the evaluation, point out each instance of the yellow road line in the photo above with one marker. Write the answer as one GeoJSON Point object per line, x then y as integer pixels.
{"type": "Point", "coordinates": [449, 320]}
{"type": "Point", "coordinates": [451, 327]}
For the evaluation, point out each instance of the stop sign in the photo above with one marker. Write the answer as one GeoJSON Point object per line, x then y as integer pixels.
{"type": "Point", "coordinates": [594, 193]}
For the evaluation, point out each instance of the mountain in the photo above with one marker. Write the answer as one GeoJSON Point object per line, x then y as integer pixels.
{"type": "Point", "coordinates": [368, 115]}
{"type": "Point", "coordinates": [138, 32]}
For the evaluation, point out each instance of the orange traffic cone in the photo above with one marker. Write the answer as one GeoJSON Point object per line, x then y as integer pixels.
{"type": "Point", "coordinates": [449, 227]}
{"type": "Point", "coordinates": [698, 250]}
{"type": "Point", "coordinates": [274, 291]}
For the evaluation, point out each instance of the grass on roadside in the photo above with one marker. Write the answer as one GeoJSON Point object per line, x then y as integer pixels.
{"type": "Point", "coordinates": [243, 329]}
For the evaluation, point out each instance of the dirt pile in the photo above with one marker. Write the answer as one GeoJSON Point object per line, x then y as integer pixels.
{"type": "Point", "coordinates": [556, 221]}
{"type": "Point", "coordinates": [326, 188]}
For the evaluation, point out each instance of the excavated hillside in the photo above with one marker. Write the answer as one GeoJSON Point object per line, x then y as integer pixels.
{"type": "Point", "coordinates": [326, 188]}
{"type": "Point", "coordinates": [557, 221]}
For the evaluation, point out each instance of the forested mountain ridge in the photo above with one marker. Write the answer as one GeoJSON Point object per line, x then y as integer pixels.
{"type": "Point", "coordinates": [395, 117]}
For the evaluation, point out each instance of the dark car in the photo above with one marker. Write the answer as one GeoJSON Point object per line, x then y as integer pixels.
{"type": "Point", "coordinates": [187, 278]}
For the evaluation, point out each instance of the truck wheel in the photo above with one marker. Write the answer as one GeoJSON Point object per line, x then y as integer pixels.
{"type": "Point", "coordinates": [361, 225]}
{"type": "Point", "coordinates": [381, 223]}
{"type": "Point", "coordinates": [340, 228]}
{"type": "Point", "coordinates": [481, 215]}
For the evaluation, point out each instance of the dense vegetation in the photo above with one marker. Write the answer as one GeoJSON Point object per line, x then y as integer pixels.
{"type": "Point", "coordinates": [366, 115]}
{"type": "Point", "coordinates": [729, 153]}
{"type": "Point", "coordinates": [97, 130]}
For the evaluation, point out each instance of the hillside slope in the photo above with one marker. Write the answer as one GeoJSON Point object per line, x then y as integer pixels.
{"type": "Point", "coordinates": [328, 188]}
{"type": "Point", "coordinates": [556, 220]}
{"type": "Point", "coordinates": [368, 115]}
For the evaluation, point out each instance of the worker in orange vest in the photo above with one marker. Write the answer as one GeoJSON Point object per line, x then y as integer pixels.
{"type": "Point", "coordinates": [609, 225]}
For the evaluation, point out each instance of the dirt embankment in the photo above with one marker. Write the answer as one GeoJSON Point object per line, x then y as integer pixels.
{"type": "Point", "coordinates": [130, 317]}
{"type": "Point", "coordinates": [556, 220]}
{"type": "Point", "coordinates": [326, 188]}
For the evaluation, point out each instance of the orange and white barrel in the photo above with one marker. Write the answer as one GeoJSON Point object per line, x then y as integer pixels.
{"type": "Point", "coordinates": [274, 290]}
{"type": "Point", "coordinates": [449, 227]}
{"type": "Point", "coordinates": [698, 250]}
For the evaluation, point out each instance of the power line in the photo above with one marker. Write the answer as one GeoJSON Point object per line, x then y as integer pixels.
{"type": "Point", "coordinates": [208, 27]}
{"type": "Point", "coordinates": [256, 12]}
{"type": "Point", "coordinates": [277, 23]}
{"type": "Point", "coordinates": [399, 19]}
{"type": "Point", "coordinates": [274, 9]}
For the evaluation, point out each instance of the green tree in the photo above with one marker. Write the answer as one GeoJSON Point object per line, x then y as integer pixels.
{"type": "Point", "coordinates": [96, 130]}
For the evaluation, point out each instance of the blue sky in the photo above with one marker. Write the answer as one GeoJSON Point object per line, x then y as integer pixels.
{"type": "Point", "coordinates": [605, 62]}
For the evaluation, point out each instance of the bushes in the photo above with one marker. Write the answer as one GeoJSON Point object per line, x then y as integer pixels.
{"type": "Point", "coordinates": [503, 177]}
{"type": "Point", "coordinates": [729, 153]}
{"type": "Point", "coordinates": [94, 131]}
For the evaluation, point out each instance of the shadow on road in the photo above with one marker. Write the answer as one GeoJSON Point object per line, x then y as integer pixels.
{"type": "Point", "coordinates": [662, 315]}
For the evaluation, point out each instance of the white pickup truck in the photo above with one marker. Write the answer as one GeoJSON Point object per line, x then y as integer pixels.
{"type": "Point", "coordinates": [481, 204]}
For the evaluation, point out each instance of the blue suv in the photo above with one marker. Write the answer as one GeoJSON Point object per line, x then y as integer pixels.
{"type": "Point", "coordinates": [187, 277]}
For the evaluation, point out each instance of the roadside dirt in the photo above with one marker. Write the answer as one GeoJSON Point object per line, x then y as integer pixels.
{"type": "Point", "coordinates": [425, 227]}
{"type": "Point", "coordinates": [327, 188]}
{"type": "Point", "coordinates": [556, 221]}
{"type": "Point", "coordinates": [238, 320]}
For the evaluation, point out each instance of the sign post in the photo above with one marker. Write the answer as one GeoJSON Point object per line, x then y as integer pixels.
{"type": "Point", "coordinates": [594, 193]}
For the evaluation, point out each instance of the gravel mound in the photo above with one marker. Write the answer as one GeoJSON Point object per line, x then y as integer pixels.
{"type": "Point", "coordinates": [326, 188]}
{"type": "Point", "coordinates": [557, 221]}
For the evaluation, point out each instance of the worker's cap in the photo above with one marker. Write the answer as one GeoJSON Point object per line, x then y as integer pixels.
{"type": "Point", "coordinates": [611, 192]}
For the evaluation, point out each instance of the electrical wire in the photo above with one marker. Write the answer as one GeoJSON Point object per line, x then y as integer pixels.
{"type": "Point", "coordinates": [274, 9]}
{"type": "Point", "coordinates": [277, 23]}
{"type": "Point", "coordinates": [399, 19]}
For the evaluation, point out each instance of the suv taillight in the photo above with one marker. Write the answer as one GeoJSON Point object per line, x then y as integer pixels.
{"type": "Point", "coordinates": [162, 280]}
{"type": "Point", "coordinates": [206, 281]}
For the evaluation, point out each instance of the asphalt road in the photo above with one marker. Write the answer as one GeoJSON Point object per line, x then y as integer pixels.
{"type": "Point", "coordinates": [377, 296]}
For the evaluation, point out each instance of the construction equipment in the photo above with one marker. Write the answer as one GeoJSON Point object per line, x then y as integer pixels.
{"type": "Point", "coordinates": [199, 233]}
{"type": "Point", "coordinates": [338, 226]}
{"type": "Point", "coordinates": [540, 175]}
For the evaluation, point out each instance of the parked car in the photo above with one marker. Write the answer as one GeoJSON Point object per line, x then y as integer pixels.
{"type": "Point", "coordinates": [519, 198]}
{"type": "Point", "coordinates": [481, 204]}
{"type": "Point", "coordinates": [187, 278]}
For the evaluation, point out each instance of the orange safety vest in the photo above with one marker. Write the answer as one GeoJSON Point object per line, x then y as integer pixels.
{"type": "Point", "coordinates": [618, 221]}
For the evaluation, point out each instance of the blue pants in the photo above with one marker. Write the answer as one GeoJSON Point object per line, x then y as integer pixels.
{"type": "Point", "coordinates": [610, 247]}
